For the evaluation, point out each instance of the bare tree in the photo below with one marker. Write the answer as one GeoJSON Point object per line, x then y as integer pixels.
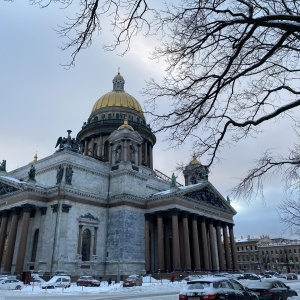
{"type": "Point", "coordinates": [289, 213]}
{"type": "Point", "coordinates": [127, 19]}
{"type": "Point", "coordinates": [232, 65]}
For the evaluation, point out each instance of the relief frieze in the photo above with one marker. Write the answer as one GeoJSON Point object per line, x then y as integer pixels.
{"type": "Point", "coordinates": [6, 189]}
{"type": "Point", "coordinates": [207, 196]}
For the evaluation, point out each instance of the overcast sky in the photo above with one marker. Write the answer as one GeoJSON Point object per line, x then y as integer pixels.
{"type": "Point", "coordinates": [40, 101]}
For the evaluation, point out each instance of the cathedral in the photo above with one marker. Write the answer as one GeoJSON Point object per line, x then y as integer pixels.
{"type": "Point", "coordinates": [97, 206]}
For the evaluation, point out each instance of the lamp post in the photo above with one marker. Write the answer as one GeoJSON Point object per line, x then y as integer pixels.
{"type": "Point", "coordinates": [249, 263]}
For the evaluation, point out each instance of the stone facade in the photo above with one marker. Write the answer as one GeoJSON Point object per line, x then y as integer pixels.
{"type": "Point", "coordinates": [97, 207]}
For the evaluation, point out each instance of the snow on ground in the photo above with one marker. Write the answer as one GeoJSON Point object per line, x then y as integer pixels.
{"type": "Point", "coordinates": [149, 284]}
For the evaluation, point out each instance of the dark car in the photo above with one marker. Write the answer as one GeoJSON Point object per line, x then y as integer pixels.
{"type": "Point", "coordinates": [291, 276]}
{"type": "Point", "coordinates": [251, 276]}
{"type": "Point", "coordinates": [216, 288]}
{"type": "Point", "coordinates": [87, 281]}
{"type": "Point", "coordinates": [133, 280]}
{"type": "Point", "coordinates": [271, 290]}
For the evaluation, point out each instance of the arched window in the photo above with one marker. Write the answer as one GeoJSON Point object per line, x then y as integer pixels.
{"type": "Point", "coordinates": [106, 147]}
{"type": "Point", "coordinates": [34, 245]}
{"type": "Point", "coordinates": [95, 148]}
{"type": "Point", "coordinates": [86, 245]}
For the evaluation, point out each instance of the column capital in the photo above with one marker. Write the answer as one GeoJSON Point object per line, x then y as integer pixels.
{"type": "Point", "coordinates": [5, 213]}
{"type": "Point", "coordinates": [175, 212]}
{"type": "Point", "coordinates": [54, 207]}
{"type": "Point", "coordinates": [148, 217]}
{"type": "Point", "coordinates": [65, 208]}
{"type": "Point", "coordinates": [27, 207]}
{"type": "Point", "coordinates": [185, 214]}
{"type": "Point", "coordinates": [16, 210]}
{"type": "Point", "coordinates": [210, 221]}
{"type": "Point", "coordinates": [202, 219]}
{"type": "Point", "coordinates": [160, 214]}
{"type": "Point", "coordinates": [230, 226]}
{"type": "Point", "coordinates": [194, 217]}
{"type": "Point", "coordinates": [218, 223]}
{"type": "Point", "coordinates": [43, 210]}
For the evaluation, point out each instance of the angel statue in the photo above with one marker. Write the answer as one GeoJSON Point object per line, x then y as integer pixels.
{"type": "Point", "coordinates": [69, 143]}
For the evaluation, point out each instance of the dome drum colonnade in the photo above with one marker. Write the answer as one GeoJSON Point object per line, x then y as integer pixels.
{"type": "Point", "coordinates": [189, 242]}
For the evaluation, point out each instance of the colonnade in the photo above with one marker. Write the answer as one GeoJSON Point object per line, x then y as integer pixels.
{"type": "Point", "coordinates": [177, 240]}
{"type": "Point", "coordinates": [95, 146]}
{"type": "Point", "coordinates": [17, 214]}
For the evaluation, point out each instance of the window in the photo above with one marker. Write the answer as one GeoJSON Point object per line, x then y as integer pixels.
{"type": "Point", "coordinates": [86, 245]}
{"type": "Point", "coordinates": [34, 245]}
{"type": "Point", "coordinates": [103, 116]}
{"type": "Point", "coordinates": [95, 150]}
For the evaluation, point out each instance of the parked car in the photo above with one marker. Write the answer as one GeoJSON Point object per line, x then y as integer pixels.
{"type": "Point", "coordinates": [133, 280]}
{"type": "Point", "coordinates": [57, 281]}
{"type": "Point", "coordinates": [192, 277]}
{"type": "Point", "coordinates": [270, 289]}
{"type": "Point", "coordinates": [87, 281]}
{"type": "Point", "coordinates": [36, 279]}
{"type": "Point", "coordinates": [291, 276]}
{"type": "Point", "coordinates": [251, 276]}
{"type": "Point", "coordinates": [11, 284]}
{"type": "Point", "coordinates": [216, 288]}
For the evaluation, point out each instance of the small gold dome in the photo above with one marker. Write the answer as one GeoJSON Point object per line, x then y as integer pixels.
{"type": "Point", "coordinates": [117, 98]}
{"type": "Point", "coordinates": [125, 125]}
{"type": "Point", "coordinates": [195, 161]}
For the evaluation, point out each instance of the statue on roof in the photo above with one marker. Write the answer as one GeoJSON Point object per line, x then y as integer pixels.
{"type": "Point", "coordinates": [173, 181]}
{"type": "Point", "coordinates": [203, 172]}
{"type": "Point", "coordinates": [3, 165]}
{"type": "Point", "coordinates": [228, 200]}
{"type": "Point", "coordinates": [31, 173]}
{"type": "Point", "coordinates": [68, 143]}
{"type": "Point", "coordinates": [69, 175]}
{"type": "Point", "coordinates": [59, 174]}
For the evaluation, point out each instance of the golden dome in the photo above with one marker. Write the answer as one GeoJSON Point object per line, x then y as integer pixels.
{"type": "Point", "coordinates": [195, 161]}
{"type": "Point", "coordinates": [117, 98]}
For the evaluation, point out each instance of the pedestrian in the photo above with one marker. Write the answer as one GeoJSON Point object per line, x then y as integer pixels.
{"type": "Point", "coordinates": [172, 278]}
{"type": "Point", "coordinates": [109, 281]}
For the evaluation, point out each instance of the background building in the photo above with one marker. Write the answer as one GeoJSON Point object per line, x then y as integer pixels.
{"type": "Point", "coordinates": [265, 254]}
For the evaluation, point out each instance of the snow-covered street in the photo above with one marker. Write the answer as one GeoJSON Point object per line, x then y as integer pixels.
{"type": "Point", "coordinates": [115, 290]}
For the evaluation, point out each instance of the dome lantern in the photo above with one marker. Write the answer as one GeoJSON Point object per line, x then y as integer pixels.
{"type": "Point", "coordinates": [118, 82]}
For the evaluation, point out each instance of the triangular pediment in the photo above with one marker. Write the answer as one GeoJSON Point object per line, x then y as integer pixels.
{"type": "Point", "coordinates": [208, 196]}
{"type": "Point", "coordinates": [6, 189]}
{"type": "Point", "coordinates": [9, 185]}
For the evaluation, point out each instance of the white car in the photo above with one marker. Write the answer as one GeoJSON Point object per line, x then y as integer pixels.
{"type": "Point", "coordinates": [11, 284]}
{"type": "Point", "coordinates": [57, 281]}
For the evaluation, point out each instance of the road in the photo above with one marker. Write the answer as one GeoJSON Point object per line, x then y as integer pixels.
{"type": "Point", "coordinates": [170, 295]}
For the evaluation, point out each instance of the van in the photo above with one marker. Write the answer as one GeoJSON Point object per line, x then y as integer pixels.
{"type": "Point", "coordinates": [57, 281]}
